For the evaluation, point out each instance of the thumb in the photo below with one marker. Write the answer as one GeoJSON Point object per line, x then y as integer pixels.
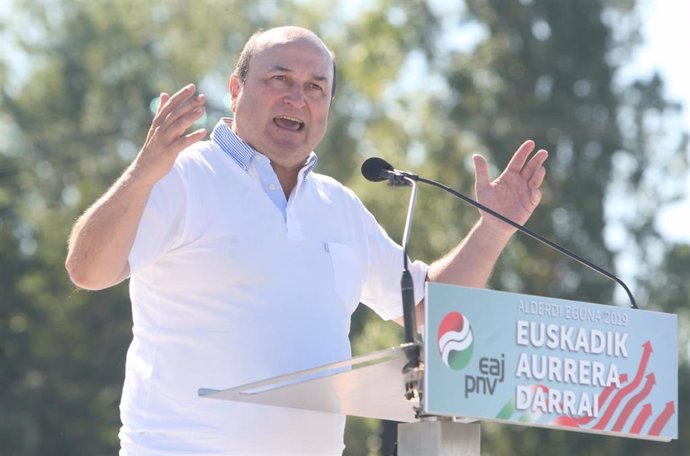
{"type": "Point", "coordinates": [481, 171]}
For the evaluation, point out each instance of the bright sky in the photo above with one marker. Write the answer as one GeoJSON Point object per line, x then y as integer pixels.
{"type": "Point", "coordinates": [667, 34]}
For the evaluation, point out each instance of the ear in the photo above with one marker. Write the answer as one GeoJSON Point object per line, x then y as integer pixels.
{"type": "Point", "coordinates": [235, 86]}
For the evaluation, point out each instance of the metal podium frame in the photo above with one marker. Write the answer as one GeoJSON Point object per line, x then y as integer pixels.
{"type": "Point", "coordinates": [371, 386]}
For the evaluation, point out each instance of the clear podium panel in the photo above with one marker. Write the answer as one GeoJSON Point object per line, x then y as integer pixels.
{"type": "Point", "coordinates": [369, 386]}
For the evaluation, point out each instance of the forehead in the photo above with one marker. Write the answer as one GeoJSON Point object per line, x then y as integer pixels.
{"type": "Point", "coordinates": [299, 55]}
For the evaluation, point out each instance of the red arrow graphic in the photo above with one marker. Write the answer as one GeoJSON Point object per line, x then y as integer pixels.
{"type": "Point", "coordinates": [632, 403]}
{"type": "Point", "coordinates": [609, 389]}
{"type": "Point", "coordinates": [602, 400]}
{"type": "Point", "coordinates": [647, 351]}
{"type": "Point", "coordinates": [662, 419]}
{"type": "Point", "coordinates": [641, 419]}
{"type": "Point", "coordinates": [565, 420]}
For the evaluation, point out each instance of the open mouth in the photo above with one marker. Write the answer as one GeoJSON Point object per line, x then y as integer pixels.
{"type": "Point", "coordinates": [289, 123]}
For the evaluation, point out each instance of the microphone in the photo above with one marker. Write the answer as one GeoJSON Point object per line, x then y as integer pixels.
{"type": "Point", "coordinates": [377, 169]}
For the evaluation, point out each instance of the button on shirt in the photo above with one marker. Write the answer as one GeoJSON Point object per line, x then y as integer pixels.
{"type": "Point", "coordinates": [233, 283]}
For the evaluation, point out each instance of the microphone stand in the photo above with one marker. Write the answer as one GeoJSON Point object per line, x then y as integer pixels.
{"type": "Point", "coordinates": [411, 371]}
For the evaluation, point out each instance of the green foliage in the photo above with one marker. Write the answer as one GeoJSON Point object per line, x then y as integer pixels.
{"type": "Point", "coordinates": [410, 89]}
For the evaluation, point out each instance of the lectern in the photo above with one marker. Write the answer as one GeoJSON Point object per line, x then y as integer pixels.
{"type": "Point", "coordinates": [503, 357]}
{"type": "Point", "coordinates": [367, 386]}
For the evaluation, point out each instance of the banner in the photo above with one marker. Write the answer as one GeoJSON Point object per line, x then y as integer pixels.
{"type": "Point", "coordinates": [530, 360]}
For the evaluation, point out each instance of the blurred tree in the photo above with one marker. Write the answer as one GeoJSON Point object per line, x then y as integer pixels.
{"type": "Point", "coordinates": [545, 70]}
{"type": "Point", "coordinates": [504, 72]}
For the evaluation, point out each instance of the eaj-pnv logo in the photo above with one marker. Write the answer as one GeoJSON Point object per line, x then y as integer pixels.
{"type": "Point", "coordinates": [455, 341]}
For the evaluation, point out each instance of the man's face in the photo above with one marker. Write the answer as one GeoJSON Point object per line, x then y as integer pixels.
{"type": "Point", "coordinates": [281, 109]}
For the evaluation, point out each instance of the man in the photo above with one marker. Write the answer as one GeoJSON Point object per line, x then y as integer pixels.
{"type": "Point", "coordinates": [245, 264]}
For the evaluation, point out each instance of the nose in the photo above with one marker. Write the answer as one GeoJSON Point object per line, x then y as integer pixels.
{"type": "Point", "coordinates": [295, 96]}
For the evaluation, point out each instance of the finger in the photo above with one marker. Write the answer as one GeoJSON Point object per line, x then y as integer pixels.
{"type": "Point", "coordinates": [167, 131]}
{"type": "Point", "coordinates": [187, 140]}
{"type": "Point", "coordinates": [162, 99]}
{"type": "Point", "coordinates": [178, 120]}
{"type": "Point", "coordinates": [535, 163]}
{"type": "Point", "coordinates": [175, 101]}
{"type": "Point", "coordinates": [535, 197]}
{"type": "Point", "coordinates": [520, 156]}
{"type": "Point", "coordinates": [481, 171]}
{"type": "Point", "coordinates": [537, 178]}
{"type": "Point", "coordinates": [174, 129]}
{"type": "Point", "coordinates": [154, 128]}
{"type": "Point", "coordinates": [191, 108]}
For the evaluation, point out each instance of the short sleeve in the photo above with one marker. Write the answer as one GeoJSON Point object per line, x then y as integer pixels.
{"type": "Point", "coordinates": [381, 291]}
{"type": "Point", "coordinates": [161, 224]}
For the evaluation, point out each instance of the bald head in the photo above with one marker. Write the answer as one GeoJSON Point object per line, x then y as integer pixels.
{"type": "Point", "coordinates": [262, 40]}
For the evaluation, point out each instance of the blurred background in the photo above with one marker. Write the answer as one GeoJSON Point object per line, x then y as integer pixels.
{"type": "Point", "coordinates": [423, 84]}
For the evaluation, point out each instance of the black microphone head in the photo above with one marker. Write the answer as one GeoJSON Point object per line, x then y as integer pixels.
{"type": "Point", "coordinates": [374, 168]}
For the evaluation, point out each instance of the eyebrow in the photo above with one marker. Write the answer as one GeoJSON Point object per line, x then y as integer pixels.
{"type": "Point", "coordinates": [289, 70]}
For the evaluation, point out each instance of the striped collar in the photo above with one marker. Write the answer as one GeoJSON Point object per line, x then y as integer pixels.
{"type": "Point", "coordinates": [242, 152]}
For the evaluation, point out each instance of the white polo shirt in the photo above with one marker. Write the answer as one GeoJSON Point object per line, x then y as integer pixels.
{"type": "Point", "coordinates": [228, 287]}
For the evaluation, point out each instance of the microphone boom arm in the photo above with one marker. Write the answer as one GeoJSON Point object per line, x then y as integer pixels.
{"type": "Point", "coordinates": [533, 235]}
